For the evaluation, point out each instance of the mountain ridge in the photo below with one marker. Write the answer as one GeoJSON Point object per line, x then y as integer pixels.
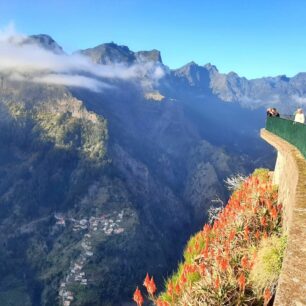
{"type": "Point", "coordinates": [228, 87]}
{"type": "Point", "coordinates": [107, 53]}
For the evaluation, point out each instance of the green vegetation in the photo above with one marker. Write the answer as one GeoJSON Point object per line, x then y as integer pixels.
{"type": "Point", "coordinates": [49, 159]}
{"type": "Point", "coordinates": [268, 263]}
{"type": "Point", "coordinates": [262, 174]}
{"type": "Point", "coordinates": [56, 161]}
{"type": "Point", "coordinates": [86, 133]}
{"type": "Point", "coordinates": [69, 132]}
{"type": "Point", "coordinates": [17, 296]}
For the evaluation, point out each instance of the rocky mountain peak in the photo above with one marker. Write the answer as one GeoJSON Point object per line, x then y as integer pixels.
{"type": "Point", "coordinates": [211, 68]}
{"type": "Point", "coordinates": [45, 41]}
{"type": "Point", "coordinates": [195, 75]}
{"type": "Point", "coordinates": [231, 76]}
{"type": "Point", "coordinates": [112, 53]}
{"type": "Point", "coordinates": [149, 56]}
{"type": "Point", "coordinates": [191, 64]}
{"type": "Point", "coordinates": [284, 78]}
{"type": "Point", "coordinates": [188, 68]}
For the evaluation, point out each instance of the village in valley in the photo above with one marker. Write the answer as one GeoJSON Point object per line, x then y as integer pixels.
{"type": "Point", "coordinates": [88, 228]}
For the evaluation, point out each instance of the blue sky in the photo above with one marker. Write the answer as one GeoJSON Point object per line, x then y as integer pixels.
{"type": "Point", "coordinates": [253, 38]}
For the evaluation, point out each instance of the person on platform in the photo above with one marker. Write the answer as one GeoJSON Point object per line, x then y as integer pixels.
{"type": "Point", "coordinates": [275, 113]}
{"type": "Point", "coordinates": [272, 112]}
{"type": "Point", "coordinates": [269, 112]}
{"type": "Point", "coordinates": [299, 116]}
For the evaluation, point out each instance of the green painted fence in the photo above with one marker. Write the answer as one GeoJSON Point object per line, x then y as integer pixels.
{"type": "Point", "coordinates": [293, 132]}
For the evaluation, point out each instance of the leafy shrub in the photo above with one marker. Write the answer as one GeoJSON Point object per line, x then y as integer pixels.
{"type": "Point", "coordinates": [262, 173]}
{"type": "Point", "coordinates": [268, 263]}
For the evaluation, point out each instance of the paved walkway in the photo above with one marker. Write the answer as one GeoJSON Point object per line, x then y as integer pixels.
{"type": "Point", "coordinates": [290, 175]}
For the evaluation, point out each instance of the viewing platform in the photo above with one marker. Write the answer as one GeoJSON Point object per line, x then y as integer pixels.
{"type": "Point", "coordinates": [289, 139]}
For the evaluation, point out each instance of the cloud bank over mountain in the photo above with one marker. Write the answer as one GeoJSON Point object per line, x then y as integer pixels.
{"type": "Point", "coordinates": [24, 59]}
{"type": "Point", "coordinates": [39, 59]}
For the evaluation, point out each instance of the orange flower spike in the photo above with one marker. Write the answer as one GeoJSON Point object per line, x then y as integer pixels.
{"type": "Point", "coordinates": [232, 234]}
{"type": "Point", "coordinates": [202, 268]}
{"type": "Point", "coordinates": [193, 268]}
{"type": "Point", "coordinates": [189, 250]}
{"type": "Point", "coordinates": [170, 288]}
{"type": "Point", "coordinates": [160, 302]}
{"type": "Point", "coordinates": [205, 252]}
{"type": "Point", "coordinates": [217, 282]}
{"type": "Point", "coordinates": [241, 282]}
{"type": "Point", "coordinates": [227, 251]}
{"type": "Point", "coordinates": [146, 280]}
{"type": "Point", "coordinates": [273, 213]}
{"type": "Point", "coordinates": [186, 268]}
{"type": "Point", "coordinates": [197, 246]}
{"type": "Point", "coordinates": [279, 207]}
{"type": "Point", "coordinates": [206, 228]}
{"type": "Point", "coordinates": [265, 235]}
{"type": "Point", "coordinates": [137, 297]}
{"type": "Point", "coordinates": [216, 224]}
{"type": "Point", "coordinates": [218, 260]}
{"type": "Point", "coordinates": [224, 264]}
{"type": "Point", "coordinates": [246, 233]}
{"type": "Point", "coordinates": [151, 287]}
{"type": "Point", "coordinates": [267, 296]}
{"type": "Point", "coordinates": [268, 204]}
{"type": "Point", "coordinates": [183, 279]}
{"type": "Point", "coordinates": [257, 235]}
{"type": "Point", "coordinates": [251, 264]}
{"type": "Point", "coordinates": [244, 262]}
{"type": "Point", "coordinates": [177, 289]}
{"type": "Point", "coordinates": [263, 221]}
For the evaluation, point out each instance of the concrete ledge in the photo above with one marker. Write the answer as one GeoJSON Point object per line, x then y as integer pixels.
{"type": "Point", "coordinates": [290, 176]}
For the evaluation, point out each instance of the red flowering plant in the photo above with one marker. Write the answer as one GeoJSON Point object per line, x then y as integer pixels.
{"type": "Point", "coordinates": [137, 297]}
{"type": "Point", "coordinates": [218, 260]}
{"type": "Point", "coordinates": [151, 288]}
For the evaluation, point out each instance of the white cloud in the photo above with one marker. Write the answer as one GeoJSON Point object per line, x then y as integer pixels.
{"type": "Point", "coordinates": [8, 31]}
{"type": "Point", "coordinates": [72, 80]}
{"type": "Point", "coordinates": [19, 56]}
{"type": "Point", "coordinates": [274, 99]}
{"type": "Point", "coordinates": [299, 100]}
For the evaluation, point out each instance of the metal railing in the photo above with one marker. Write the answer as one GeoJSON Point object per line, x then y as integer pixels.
{"type": "Point", "coordinates": [293, 132]}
